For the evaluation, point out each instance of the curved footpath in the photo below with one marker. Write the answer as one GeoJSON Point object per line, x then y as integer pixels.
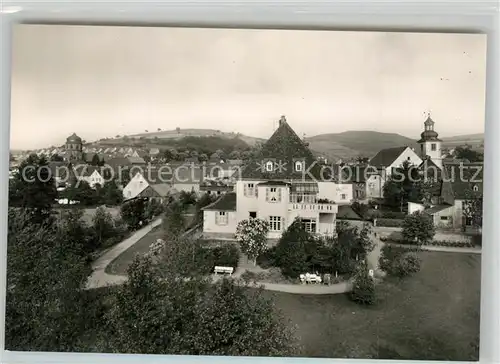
{"type": "Point", "coordinates": [99, 278]}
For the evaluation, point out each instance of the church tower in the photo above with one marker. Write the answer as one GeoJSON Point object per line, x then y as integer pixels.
{"type": "Point", "coordinates": [430, 144]}
{"type": "Point", "coordinates": [73, 148]}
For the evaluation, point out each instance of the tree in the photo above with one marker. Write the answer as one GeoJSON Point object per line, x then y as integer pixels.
{"type": "Point", "coordinates": [82, 192]}
{"type": "Point", "coordinates": [102, 224]}
{"type": "Point", "coordinates": [403, 187]}
{"type": "Point", "coordinates": [181, 156]}
{"type": "Point", "coordinates": [418, 228]}
{"type": "Point", "coordinates": [45, 307]}
{"type": "Point", "coordinates": [465, 152]}
{"type": "Point", "coordinates": [110, 194]}
{"type": "Point", "coordinates": [193, 317]}
{"type": "Point", "coordinates": [132, 213]}
{"type": "Point", "coordinates": [56, 158]}
{"type": "Point", "coordinates": [234, 155]}
{"type": "Point", "coordinates": [203, 157]}
{"type": "Point", "coordinates": [174, 222]}
{"type": "Point", "coordinates": [33, 188]}
{"type": "Point", "coordinates": [293, 248]}
{"type": "Point", "coordinates": [363, 290]}
{"type": "Point", "coordinates": [251, 234]}
{"type": "Point", "coordinates": [194, 153]}
{"type": "Point", "coordinates": [96, 161]}
{"type": "Point", "coordinates": [473, 207]}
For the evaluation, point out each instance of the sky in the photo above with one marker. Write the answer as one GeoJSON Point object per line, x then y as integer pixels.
{"type": "Point", "coordinates": [102, 81]}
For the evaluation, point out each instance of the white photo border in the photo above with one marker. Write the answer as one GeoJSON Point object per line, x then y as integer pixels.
{"type": "Point", "coordinates": [415, 16]}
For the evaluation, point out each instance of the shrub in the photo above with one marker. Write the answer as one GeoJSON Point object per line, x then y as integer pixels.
{"type": "Point", "coordinates": [477, 240]}
{"type": "Point", "coordinates": [226, 255]}
{"type": "Point", "coordinates": [390, 222]}
{"type": "Point", "coordinates": [406, 264]}
{"type": "Point", "coordinates": [418, 228]}
{"type": "Point", "coordinates": [363, 290]}
{"type": "Point", "coordinates": [393, 215]}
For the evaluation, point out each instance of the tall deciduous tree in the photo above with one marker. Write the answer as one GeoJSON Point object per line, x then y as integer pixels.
{"type": "Point", "coordinates": [33, 187]}
{"type": "Point", "coordinates": [132, 213]}
{"type": "Point", "coordinates": [251, 234]}
{"type": "Point", "coordinates": [193, 317]}
{"type": "Point", "coordinates": [45, 309]}
{"type": "Point", "coordinates": [403, 186]}
{"type": "Point", "coordinates": [418, 228]}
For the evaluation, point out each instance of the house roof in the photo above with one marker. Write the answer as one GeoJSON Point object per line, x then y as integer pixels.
{"type": "Point", "coordinates": [226, 203]}
{"type": "Point", "coordinates": [435, 209]}
{"type": "Point", "coordinates": [386, 157]}
{"type": "Point", "coordinates": [464, 179]}
{"type": "Point", "coordinates": [273, 183]}
{"type": "Point", "coordinates": [347, 213]}
{"type": "Point", "coordinates": [136, 160]}
{"type": "Point", "coordinates": [284, 148]}
{"type": "Point", "coordinates": [156, 190]}
{"type": "Point", "coordinates": [85, 170]}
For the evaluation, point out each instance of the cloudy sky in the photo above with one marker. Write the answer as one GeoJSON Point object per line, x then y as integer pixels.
{"type": "Point", "coordinates": [103, 81]}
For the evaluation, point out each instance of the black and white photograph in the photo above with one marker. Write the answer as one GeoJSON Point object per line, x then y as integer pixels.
{"type": "Point", "coordinates": [245, 192]}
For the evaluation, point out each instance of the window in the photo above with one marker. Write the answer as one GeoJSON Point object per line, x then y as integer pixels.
{"type": "Point", "coordinates": [275, 223]}
{"type": "Point", "coordinates": [444, 217]}
{"type": "Point", "coordinates": [253, 214]}
{"type": "Point", "coordinates": [249, 190]}
{"type": "Point", "coordinates": [269, 166]}
{"type": "Point", "coordinates": [221, 218]}
{"type": "Point", "coordinates": [343, 196]}
{"type": "Point", "coordinates": [371, 185]}
{"type": "Point", "coordinates": [475, 188]}
{"type": "Point", "coordinates": [298, 166]}
{"type": "Point", "coordinates": [273, 194]}
{"type": "Point", "coordinates": [408, 158]}
{"type": "Point", "coordinates": [433, 147]}
{"type": "Point", "coordinates": [309, 225]}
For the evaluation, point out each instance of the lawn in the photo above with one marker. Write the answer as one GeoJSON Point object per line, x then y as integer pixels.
{"type": "Point", "coordinates": [433, 315]}
{"type": "Point", "coordinates": [121, 263]}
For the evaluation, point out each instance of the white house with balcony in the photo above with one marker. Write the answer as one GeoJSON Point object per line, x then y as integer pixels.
{"type": "Point", "coordinates": [282, 183]}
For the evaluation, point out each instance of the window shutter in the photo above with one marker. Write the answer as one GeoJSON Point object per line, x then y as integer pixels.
{"type": "Point", "coordinates": [256, 192]}
{"type": "Point", "coordinates": [245, 186]}
{"type": "Point", "coordinates": [279, 194]}
{"type": "Point", "coordinates": [267, 194]}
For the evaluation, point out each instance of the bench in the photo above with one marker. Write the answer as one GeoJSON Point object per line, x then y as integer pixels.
{"type": "Point", "coordinates": [223, 270]}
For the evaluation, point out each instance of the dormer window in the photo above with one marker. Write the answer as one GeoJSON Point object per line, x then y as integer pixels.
{"type": "Point", "coordinates": [475, 188]}
{"type": "Point", "coordinates": [298, 166]}
{"type": "Point", "coordinates": [269, 166]}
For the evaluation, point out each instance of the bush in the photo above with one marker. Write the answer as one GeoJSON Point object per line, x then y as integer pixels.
{"type": "Point", "coordinates": [477, 240]}
{"type": "Point", "coordinates": [406, 264]}
{"type": "Point", "coordinates": [393, 215]}
{"type": "Point", "coordinates": [363, 290]}
{"type": "Point", "coordinates": [226, 256]}
{"type": "Point", "coordinates": [390, 222]}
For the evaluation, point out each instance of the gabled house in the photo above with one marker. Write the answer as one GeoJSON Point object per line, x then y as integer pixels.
{"type": "Point", "coordinates": [216, 187]}
{"type": "Point", "coordinates": [93, 175]}
{"type": "Point", "coordinates": [280, 184]}
{"type": "Point", "coordinates": [387, 160]}
{"type": "Point", "coordinates": [151, 183]}
{"type": "Point", "coordinates": [451, 188]}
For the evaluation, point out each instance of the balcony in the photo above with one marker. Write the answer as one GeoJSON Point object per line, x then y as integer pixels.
{"type": "Point", "coordinates": [312, 203]}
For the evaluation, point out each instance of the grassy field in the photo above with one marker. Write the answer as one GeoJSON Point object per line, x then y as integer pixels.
{"type": "Point", "coordinates": [433, 315]}
{"type": "Point", "coordinates": [121, 263]}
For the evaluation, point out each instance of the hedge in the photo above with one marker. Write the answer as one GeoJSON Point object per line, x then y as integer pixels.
{"type": "Point", "coordinates": [443, 243]}
{"type": "Point", "coordinates": [393, 215]}
{"type": "Point", "coordinates": [390, 222]}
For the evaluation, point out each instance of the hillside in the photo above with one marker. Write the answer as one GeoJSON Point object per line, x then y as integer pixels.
{"type": "Point", "coordinates": [181, 133]}
{"type": "Point", "coordinates": [345, 145]}
{"type": "Point", "coordinates": [471, 139]}
{"type": "Point", "coordinates": [351, 144]}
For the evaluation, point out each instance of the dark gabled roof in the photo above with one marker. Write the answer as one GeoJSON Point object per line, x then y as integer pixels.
{"type": "Point", "coordinates": [85, 170]}
{"type": "Point", "coordinates": [156, 190]}
{"type": "Point", "coordinates": [273, 183]}
{"type": "Point", "coordinates": [284, 148]}
{"type": "Point", "coordinates": [386, 157]}
{"type": "Point", "coordinates": [118, 162]}
{"type": "Point", "coordinates": [226, 203]}
{"type": "Point", "coordinates": [464, 178]}
{"type": "Point", "coordinates": [358, 173]}
{"type": "Point", "coordinates": [347, 213]}
{"type": "Point", "coordinates": [434, 209]}
{"type": "Point", "coordinates": [62, 170]}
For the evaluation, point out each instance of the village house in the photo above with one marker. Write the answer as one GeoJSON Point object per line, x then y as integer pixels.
{"type": "Point", "coordinates": [150, 183]}
{"type": "Point", "coordinates": [282, 183]}
{"type": "Point", "coordinates": [453, 185]}
{"type": "Point", "coordinates": [93, 175]}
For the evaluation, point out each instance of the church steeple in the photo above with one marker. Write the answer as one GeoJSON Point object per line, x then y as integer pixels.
{"type": "Point", "coordinates": [430, 144]}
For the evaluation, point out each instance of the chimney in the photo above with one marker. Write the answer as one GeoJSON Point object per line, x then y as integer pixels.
{"type": "Point", "coordinates": [282, 120]}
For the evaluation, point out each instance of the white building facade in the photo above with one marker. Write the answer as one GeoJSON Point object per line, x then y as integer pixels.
{"type": "Point", "coordinates": [281, 184]}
